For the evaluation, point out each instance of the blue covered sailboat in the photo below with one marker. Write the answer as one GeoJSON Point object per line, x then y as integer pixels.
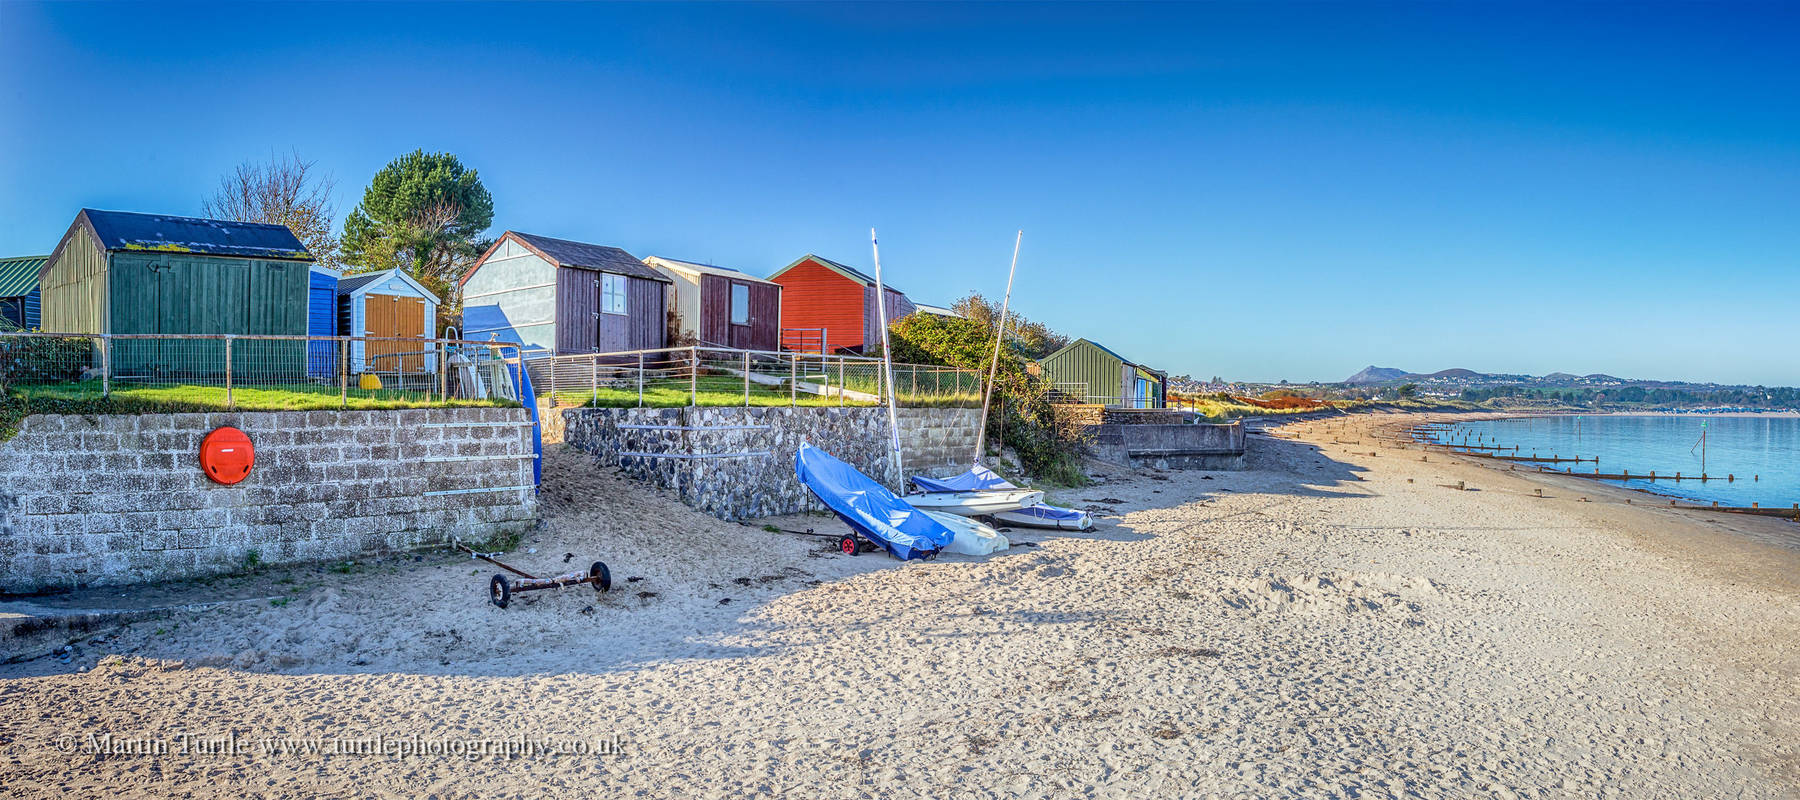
{"type": "Point", "coordinates": [869, 508]}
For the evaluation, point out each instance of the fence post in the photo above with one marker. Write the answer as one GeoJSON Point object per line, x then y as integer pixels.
{"type": "Point", "coordinates": [344, 372]}
{"type": "Point", "coordinates": [443, 371]}
{"type": "Point", "coordinates": [105, 367]}
{"type": "Point", "coordinates": [552, 379]}
{"type": "Point", "coordinates": [640, 380]}
{"type": "Point", "coordinates": [841, 384]}
{"type": "Point", "coordinates": [746, 378]}
{"type": "Point", "coordinates": [693, 376]}
{"type": "Point", "coordinates": [229, 403]}
{"type": "Point", "coordinates": [596, 371]}
{"type": "Point", "coordinates": [793, 379]}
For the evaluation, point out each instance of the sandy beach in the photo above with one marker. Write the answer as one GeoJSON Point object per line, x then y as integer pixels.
{"type": "Point", "coordinates": [1332, 622]}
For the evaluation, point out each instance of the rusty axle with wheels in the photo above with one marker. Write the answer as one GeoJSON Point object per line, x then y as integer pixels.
{"type": "Point", "coordinates": [501, 588]}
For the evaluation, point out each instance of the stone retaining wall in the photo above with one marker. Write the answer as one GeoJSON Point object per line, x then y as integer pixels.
{"type": "Point", "coordinates": [121, 499]}
{"type": "Point", "coordinates": [738, 463]}
{"type": "Point", "coordinates": [1200, 446]}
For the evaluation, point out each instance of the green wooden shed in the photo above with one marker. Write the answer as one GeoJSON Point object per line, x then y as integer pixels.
{"type": "Point", "coordinates": [125, 273]}
{"type": "Point", "coordinates": [1088, 372]}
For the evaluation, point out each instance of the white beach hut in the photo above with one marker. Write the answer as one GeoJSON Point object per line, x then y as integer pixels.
{"type": "Point", "coordinates": [392, 305]}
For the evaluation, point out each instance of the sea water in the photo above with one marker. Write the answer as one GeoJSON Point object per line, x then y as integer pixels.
{"type": "Point", "coordinates": [1761, 452]}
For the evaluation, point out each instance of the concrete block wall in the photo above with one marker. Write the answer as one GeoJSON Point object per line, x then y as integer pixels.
{"type": "Point", "coordinates": [120, 499]}
{"type": "Point", "coordinates": [1200, 446]}
{"type": "Point", "coordinates": [738, 463]}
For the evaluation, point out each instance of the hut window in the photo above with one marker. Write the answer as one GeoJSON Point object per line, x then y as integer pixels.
{"type": "Point", "coordinates": [740, 304]}
{"type": "Point", "coordinates": [612, 293]}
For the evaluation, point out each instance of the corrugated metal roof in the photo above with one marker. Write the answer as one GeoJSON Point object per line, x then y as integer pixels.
{"type": "Point", "coordinates": [705, 269]}
{"type": "Point", "coordinates": [351, 283]}
{"type": "Point", "coordinates": [19, 275]}
{"type": "Point", "coordinates": [590, 256]}
{"type": "Point", "coordinates": [125, 230]}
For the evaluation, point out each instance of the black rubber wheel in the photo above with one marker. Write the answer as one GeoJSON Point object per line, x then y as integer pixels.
{"type": "Point", "coordinates": [500, 591]}
{"type": "Point", "coordinates": [601, 575]}
{"type": "Point", "coordinates": [849, 546]}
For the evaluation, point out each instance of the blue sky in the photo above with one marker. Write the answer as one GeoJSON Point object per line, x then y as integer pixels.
{"type": "Point", "coordinates": [1260, 191]}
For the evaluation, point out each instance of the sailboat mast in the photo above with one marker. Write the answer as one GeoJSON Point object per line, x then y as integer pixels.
{"type": "Point", "coordinates": [887, 361]}
{"type": "Point", "coordinates": [999, 337]}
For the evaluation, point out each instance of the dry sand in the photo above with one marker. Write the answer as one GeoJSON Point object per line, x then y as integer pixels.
{"type": "Point", "coordinates": [1329, 623]}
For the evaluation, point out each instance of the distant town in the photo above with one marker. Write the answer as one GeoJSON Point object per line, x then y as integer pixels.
{"type": "Point", "coordinates": [1502, 390]}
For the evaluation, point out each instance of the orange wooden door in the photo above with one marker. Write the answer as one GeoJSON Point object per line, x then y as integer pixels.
{"type": "Point", "coordinates": [399, 317]}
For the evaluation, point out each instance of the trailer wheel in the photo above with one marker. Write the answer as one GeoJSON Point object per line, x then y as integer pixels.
{"type": "Point", "coordinates": [849, 545]}
{"type": "Point", "coordinates": [602, 577]}
{"type": "Point", "coordinates": [499, 591]}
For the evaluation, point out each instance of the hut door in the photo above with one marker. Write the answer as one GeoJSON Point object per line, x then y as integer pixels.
{"type": "Point", "coordinates": [400, 317]}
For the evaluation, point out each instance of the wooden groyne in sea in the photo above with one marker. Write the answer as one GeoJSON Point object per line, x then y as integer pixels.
{"type": "Point", "coordinates": [1419, 435]}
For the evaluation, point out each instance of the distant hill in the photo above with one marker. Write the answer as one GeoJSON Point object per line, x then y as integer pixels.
{"type": "Point", "coordinates": [1561, 376]}
{"type": "Point", "coordinates": [1457, 372]}
{"type": "Point", "coordinates": [1374, 374]}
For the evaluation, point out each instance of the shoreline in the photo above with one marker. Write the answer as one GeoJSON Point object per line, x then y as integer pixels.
{"type": "Point", "coordinates": [1791, 510]}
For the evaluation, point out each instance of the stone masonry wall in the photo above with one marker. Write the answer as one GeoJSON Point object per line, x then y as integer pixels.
{"type": "Point", "coordinates": [121, 499]}
{"type": "Point", "coordinates": [746, 464]}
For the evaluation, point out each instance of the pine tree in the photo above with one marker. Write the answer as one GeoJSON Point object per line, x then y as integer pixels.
{"type": "Point", "coordinates": [423, 213]}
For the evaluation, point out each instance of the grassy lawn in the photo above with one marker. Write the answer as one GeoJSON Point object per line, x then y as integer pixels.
{"type": "Point", "coordinates": [131, 398]}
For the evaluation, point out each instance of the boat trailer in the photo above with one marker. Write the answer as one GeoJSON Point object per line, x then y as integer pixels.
{"type": "Point", "coordinates": [501, 588]}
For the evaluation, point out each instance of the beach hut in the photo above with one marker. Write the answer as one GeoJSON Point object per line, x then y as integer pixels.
{"type": "Point", "coordinates": [557, 297]}
{"type": "Point", "coordinates": [127, 273]}
{"type": "Point", "coordinates": [830, 307]}
{"type": "Point", "coordinates": [397, 311]}
{"type": "Point", "coordinates": [19, 303]}
{"type": "Point", "coordinates": [1087, 372]}
{"type": "Point", "coordinates": [321, 320]}
{"type": "Point", "coordinates": [712, 305]}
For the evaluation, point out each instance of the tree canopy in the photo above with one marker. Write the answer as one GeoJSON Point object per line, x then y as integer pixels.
{"type": "Point", "coordinates": [283, 191]}
{"type": "Point", "coordinates": [1032, 340]}
{"type": "Point", "coordinates": [423, 213]}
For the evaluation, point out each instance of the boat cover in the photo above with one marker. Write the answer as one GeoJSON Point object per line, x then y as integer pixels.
{"type": "Point", "coordinates": [980, 478]}
{"type": "Point", "coordinates": [868, 507]}
{"type": "Point", "coordinates": [976, 479]}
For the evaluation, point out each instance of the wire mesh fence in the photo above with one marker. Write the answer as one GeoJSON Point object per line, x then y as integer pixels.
{"type": "Point", "coordinates": [241, 371]}
{"type": "Point", "coordinates": [707, 376]}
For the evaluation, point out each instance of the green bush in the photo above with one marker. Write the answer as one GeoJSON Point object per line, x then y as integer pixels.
{"type": "Point", "coordinates": [1021, 416]}
{"type": "Point", "coordinates": [26, 360]}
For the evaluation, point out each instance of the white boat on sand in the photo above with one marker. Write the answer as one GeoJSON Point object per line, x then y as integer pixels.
{"type": "Point", "coordinates": [975, 504]}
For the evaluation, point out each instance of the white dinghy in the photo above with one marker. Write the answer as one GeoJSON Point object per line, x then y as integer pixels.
{"type": "Point", "coordinates": [971, 538]}
{"type": "Point", "coordinates": [975, 504]}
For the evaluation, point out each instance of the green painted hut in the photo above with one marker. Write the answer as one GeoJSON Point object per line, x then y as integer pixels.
{"type": "Point", "coordinates": [124, 273]}
{"type": "Point", "coordinates": [1088, 372]}
{"type": "Point", "coordinates": [19, 292]}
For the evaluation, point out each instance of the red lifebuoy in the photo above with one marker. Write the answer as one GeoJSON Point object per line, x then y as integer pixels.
{"type": "Point", "coordinates": [226, 455]}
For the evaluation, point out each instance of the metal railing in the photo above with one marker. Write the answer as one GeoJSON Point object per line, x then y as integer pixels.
{"type": "Point", "coordinates": [715, 376]}
{"type": "Point", "coordinates": [805, 340]}
{"type": "Point", "coordinates": [257, 371]}
{"type": "Point", "coordinates": [1134, 403]}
